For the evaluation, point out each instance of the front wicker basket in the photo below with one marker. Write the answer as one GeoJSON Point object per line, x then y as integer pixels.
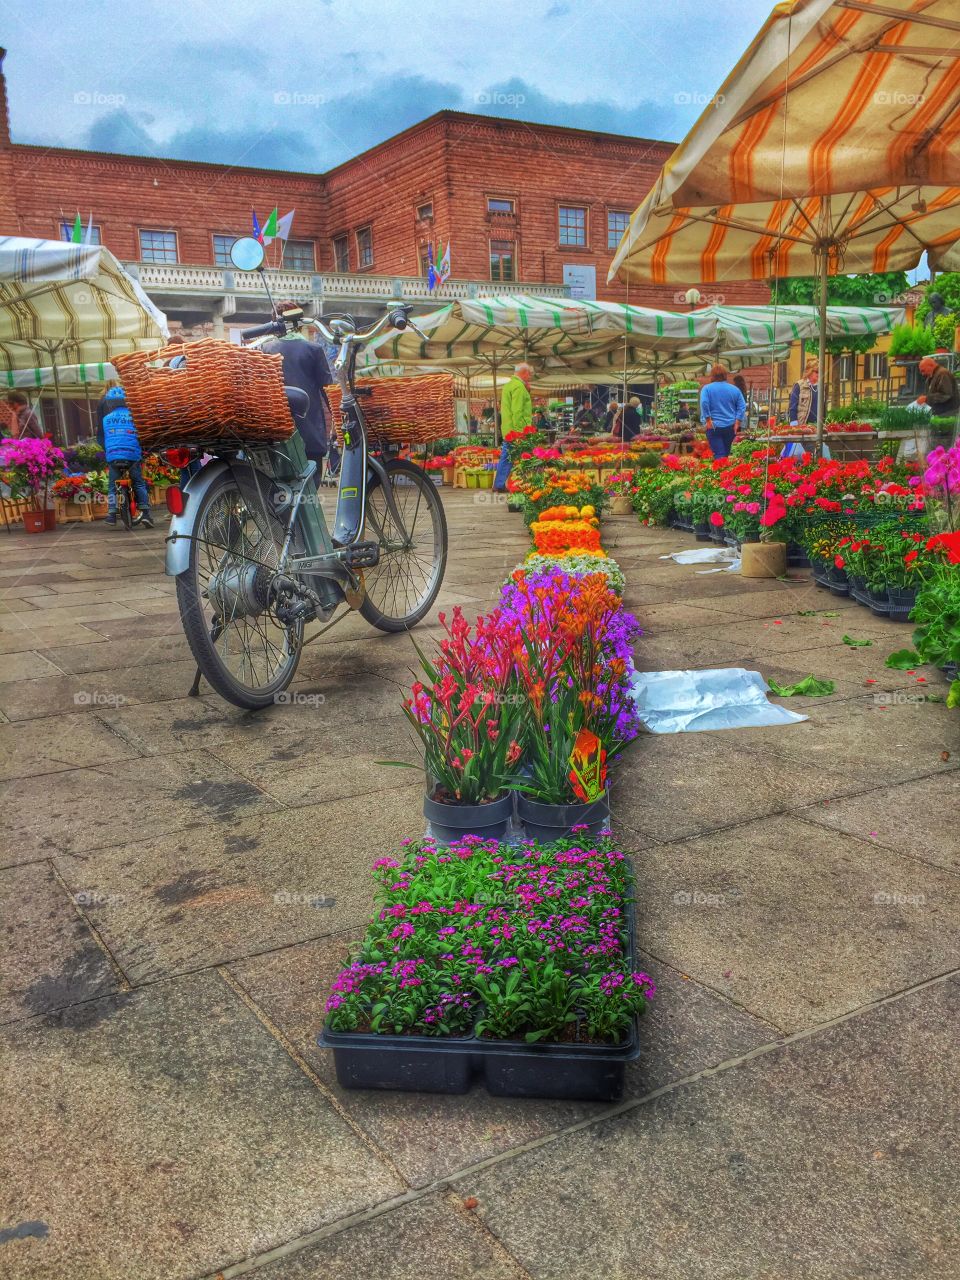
{"type": "Point", "coordinates": [402, 410]}
{"type": "Point", "coordinates": [220, 392]}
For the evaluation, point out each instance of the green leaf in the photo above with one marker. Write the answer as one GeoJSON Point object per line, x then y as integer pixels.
{"type": "Point", "coordinates": [806, 613]}
{"type": "Point", "coordinates": [808, 687]}
{"type": "Point", "coordinates": [830, 615]}
{"type": "Point", "coordinates": [856, 644]}
{"type": "Point", "coordinates": [953, 697]}
{"type": "Point", "coordinates": [904, 660]}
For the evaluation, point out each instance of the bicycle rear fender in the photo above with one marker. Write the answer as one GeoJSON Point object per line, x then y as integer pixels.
{"type": "Point", "coordinates": [181, 526]}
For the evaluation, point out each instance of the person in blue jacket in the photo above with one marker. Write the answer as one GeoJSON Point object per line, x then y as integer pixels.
{"type": "Point", "coordinates": [118, 439]}
{"type": "Point", "coordinates": [722, 411]}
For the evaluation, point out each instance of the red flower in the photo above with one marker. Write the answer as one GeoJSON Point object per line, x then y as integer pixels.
{"type": "Point", "coordinates": [716, 519]}
{"type": "Point", "coordinates": [910, 557]}
{"type": "Point", "coordinates": [839, 561]}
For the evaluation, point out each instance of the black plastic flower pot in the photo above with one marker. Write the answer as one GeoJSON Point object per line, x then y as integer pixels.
{"type": "Point", "coordinates": [838, 581]}
{"type": "Point", "coordinates": [951, 670]}
{"type": "Point", "coordinates": [717, 536]}
{"type": "Point", "coordinates": [858, 590]}
{"type": "Point", "coordinates": [796, 556]}
{"type": "Point", "coordinates": [702, 533]}
{"type": "Point", "coordinates": [547, 822]}
{"type": "Point", "coordinates": [450, 822]}
{"type": "Point", "coordinates": [901, 601]}
{"type": "Point", "coordinates": [879, 603]}
{"type": "Point", "coordinates": [514, 506]}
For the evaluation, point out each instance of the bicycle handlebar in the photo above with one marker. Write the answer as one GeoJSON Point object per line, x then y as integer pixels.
{"type": "Point", "coordinates": [276, 327]}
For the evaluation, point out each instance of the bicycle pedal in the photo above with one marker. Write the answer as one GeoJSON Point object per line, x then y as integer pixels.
{"type": "Point", "coordinates": [362, 555]}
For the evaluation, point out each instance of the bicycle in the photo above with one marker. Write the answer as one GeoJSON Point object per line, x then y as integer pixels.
{"type": "Point", "coordinates": [251, 553]}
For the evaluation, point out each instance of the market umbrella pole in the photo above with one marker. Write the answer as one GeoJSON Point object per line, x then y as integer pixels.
{"type": "Point", "coordinates": [824, 263]}
{"type": "Point", "coordinates": [61, 412]}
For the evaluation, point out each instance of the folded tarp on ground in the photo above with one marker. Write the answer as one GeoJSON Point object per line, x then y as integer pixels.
{"type": "Point", "coordinates": [690, 701]}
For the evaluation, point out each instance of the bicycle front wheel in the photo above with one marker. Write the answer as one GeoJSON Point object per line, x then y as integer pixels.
{"type": "Point", "coordinates": [240, 646]}
{"type": "Point", "coordinates": [401, 588]}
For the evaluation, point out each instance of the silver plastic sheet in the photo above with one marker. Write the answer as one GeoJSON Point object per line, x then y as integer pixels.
{"type": "Point", "coordinates": [692, 701]}
{"type": "Point", "coordinates": [725, 557]}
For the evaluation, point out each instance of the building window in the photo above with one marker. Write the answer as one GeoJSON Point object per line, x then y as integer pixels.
{"type": "Point", "coordinates": [341, 253]}
{"type": "Point", "coordinates": [573, 224]}
{"type": "Point", "coordinates": [221, 250]}
{"type": "Point", "coordinates": [845, 368]}
{"type": "Point", "coordinates": [875, 365]}
{"type": "Point", "coordinates": [66, 232]}
{"type": "Point", "coordinates": [158, 246]}
{"type": "Point", "coordinates": [365, 247]}
{"type": "Point", "coordinates": [425, 211]}
{"type": "Point", "coordinates": [495, 205]}
{"type": "Point", "coordinates": [617, 222]}
{"type": "Point", "coordinates": [782, 373]}
{"type": "Point", "coordinates": [298, 255]}
{"type": "Point", "coordinates": [502, 258]}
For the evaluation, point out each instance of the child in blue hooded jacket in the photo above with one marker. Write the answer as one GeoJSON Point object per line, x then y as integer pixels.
{"type": "Point", "coordinates": [118, 439]}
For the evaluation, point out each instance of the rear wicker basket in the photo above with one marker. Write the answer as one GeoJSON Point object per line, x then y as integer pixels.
{"type": "Point", "coordinates": [402, 410]}
{"type": "Point", "coordinates": [221, 392]}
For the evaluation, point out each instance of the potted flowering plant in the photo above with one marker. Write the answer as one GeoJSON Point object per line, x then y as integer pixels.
{"type": "Point", "coordinates": [573, 664]}
{"type": "Point", "coordinates": [619, 489]}
{"type": "Point", "coordinates": [32, 465]}
{"type": "Point", "coordinates": [513, 963]}
{"type": "Point", "coordinates": [464, 714]}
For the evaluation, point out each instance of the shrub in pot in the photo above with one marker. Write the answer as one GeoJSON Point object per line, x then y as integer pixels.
{"type": "Point", "coordinates": [29, 466]}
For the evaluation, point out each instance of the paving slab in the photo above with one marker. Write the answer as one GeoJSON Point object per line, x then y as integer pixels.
{"type": "Point", "coordinates": [26, 666]}
{"type": "Point", "coordinates": [48, 957]}
{"type": "Point", "coordinates": [30, 748]}
{"type": "Point", "coordinates": [167, 1135]}
{"type": "Point", "coordinates": [125, 802]}
{"type": "Point", "coordinates": [238, 884]}
{"type": "Point", "coordinates": [916, 819]}
{"type": "Point", "coordinates": [392, 1247]}
{"type": "Point", "coordinates": [23, 641]}
{"type": "Point", "coordinates": [672, 786]}
{"type": "Point", "coordinates": [796, 923]}
{"type": "Point", "coordinates": [823, 1160]}
{"type": "Point", "coordinates": [117, 654]}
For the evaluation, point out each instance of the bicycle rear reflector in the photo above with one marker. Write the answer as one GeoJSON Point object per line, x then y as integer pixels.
{"type": "Point", "coordinates": [175, 500]}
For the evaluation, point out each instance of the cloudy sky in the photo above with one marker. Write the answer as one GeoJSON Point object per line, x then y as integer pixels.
{"type": "Point", "coordinates": [306, 85]}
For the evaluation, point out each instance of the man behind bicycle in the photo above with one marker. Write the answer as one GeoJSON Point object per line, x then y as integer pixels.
{"type": "Point", "coordinates": [118, 438]}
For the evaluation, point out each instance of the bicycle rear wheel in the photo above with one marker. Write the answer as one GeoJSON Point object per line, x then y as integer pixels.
{"type": "Point", "coordinates": [225, 599]}
{"type": "Point", "coordinates": [124, 511]}
{"type": "Point", "coordinates": [401, 588]}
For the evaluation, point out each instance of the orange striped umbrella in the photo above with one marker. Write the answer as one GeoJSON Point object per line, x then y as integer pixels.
{"type": "Point", "coordinates": [833, 146]}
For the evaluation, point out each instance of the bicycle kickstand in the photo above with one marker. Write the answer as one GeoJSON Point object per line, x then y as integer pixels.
{"type": "Point", "coordinates": [195, 687]}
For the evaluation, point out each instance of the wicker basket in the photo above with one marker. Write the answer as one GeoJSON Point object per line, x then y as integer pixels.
{"type": "Point", "coordinates": [222, 391]}
{"type": "Point", "coordinates": [402, 410]}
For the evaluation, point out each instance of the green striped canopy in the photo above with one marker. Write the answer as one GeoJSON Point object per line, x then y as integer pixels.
{"type": "Point", "coordinates": [499, 331]}
{"type": "Point", "coordinates": [752, 326]}
{"type": "Point", "coordinates": [70, 302]}
{"type": "Point", "coordinates": [68, 375]}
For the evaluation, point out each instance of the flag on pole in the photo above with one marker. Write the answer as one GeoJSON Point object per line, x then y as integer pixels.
{"type": "Point", "coordinates": [284, 224]}
{"type": "Point", "coordinates": [88, 234]}
{"type": "Point", "coordinates": [257, 233]}
{"type": "Point", "coordinates": [270, 227]}
{"type": "Point", "coordinates": [431, 270]}
{"type": "Point", "coordinates": [443, 268]}
{"type": "Point", "coordinates": [76, 236]}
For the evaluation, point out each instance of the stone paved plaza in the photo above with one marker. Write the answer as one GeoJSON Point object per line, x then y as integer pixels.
{"type": "Point", "coordinates": [166, 1112]}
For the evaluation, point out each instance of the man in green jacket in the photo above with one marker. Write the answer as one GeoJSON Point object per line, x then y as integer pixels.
{"type": "Point", "coordinates": [516, 412]}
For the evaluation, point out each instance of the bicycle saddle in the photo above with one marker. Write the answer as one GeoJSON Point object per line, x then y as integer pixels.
{"type": "Point", "coordinates": [298, 400]}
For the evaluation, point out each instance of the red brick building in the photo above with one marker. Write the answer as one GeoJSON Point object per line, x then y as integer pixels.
{"type": "Point", "coordinates": [520, 204]}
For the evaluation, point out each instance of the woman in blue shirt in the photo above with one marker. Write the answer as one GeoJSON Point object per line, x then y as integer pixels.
{"type": "Point", "coordinates": [722, 410]}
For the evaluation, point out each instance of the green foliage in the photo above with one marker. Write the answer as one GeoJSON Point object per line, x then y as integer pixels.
{"type": "Point", "coordinates": [937, 615]}
{"type": "Point", "coordinates": [910, 340]}
{"type": "Point", "coordinates": [948, 287]}
{"type": "Point", "coordinates": [858, 410]}
{"type": "Point", "coordinates": [900, 418]}
{"type": "Point", "coordinates": [871, 290]}
{"type": "Point", "coordinates": [945, 330]}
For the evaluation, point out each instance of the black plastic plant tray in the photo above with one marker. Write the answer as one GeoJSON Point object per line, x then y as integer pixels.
{"type": "Point", "coordinates": [509, 1069]}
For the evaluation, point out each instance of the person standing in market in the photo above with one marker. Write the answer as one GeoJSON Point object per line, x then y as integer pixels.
{"type": "Point", "coordinates": [632, 423]}
{"type": "Point", "coordinates": [304, 366]}
{"type": "Point", "coordinates": [516, 412]}
{"type": "Point", "coordinates": [23, 421]}
{"type": "Point", "coordinates": [941, 396]}
{"type": "Point", "coordinates": [803, 397]}
{"type": "Point", "coordinates": [722, 410]}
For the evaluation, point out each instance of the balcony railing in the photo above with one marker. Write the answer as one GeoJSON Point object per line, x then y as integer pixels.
{"type": "Point", "coordinates": [157, 277]}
